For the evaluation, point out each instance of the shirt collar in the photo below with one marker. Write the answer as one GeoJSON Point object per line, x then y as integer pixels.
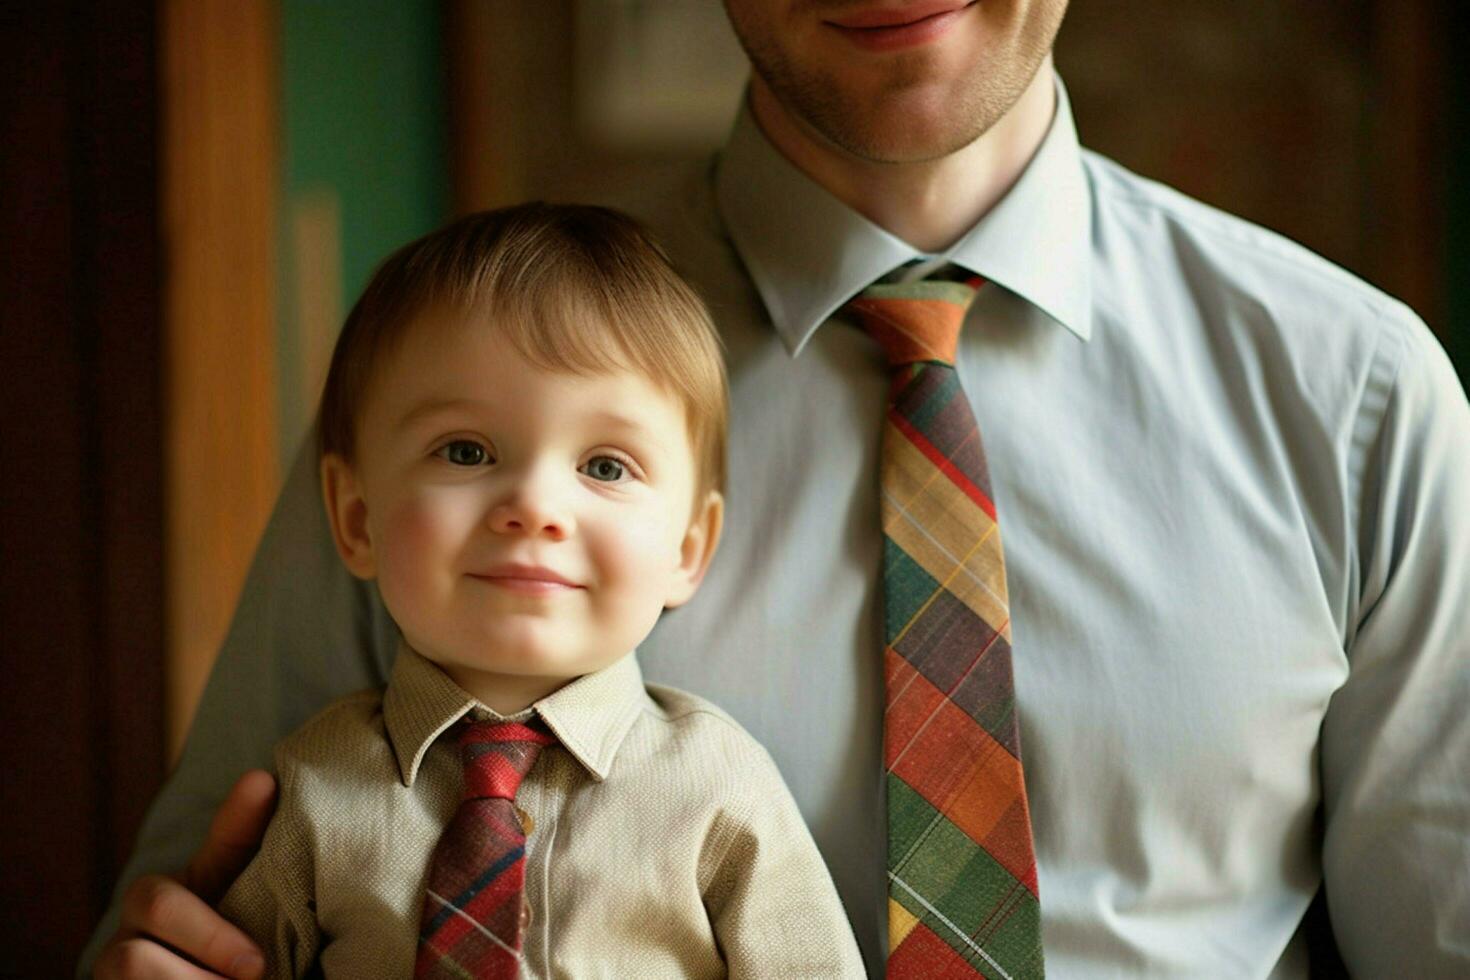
{"type": "Point", "coordinates": [590, 716]}
{"type": "Point", "coordinates": [808, 253]}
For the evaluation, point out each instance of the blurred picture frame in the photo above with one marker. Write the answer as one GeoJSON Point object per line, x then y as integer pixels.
{"type": "Point", "coordinates": [656, 75]}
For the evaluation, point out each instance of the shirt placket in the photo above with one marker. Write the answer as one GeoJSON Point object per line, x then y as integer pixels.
{"type": "Point", "coordinates": [541, 799]}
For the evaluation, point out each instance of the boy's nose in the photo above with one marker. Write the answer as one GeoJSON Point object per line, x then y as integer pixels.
{"type": "Point", "coordinates": [531, 512]}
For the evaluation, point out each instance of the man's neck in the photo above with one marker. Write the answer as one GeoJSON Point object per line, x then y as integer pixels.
{"type": "Point", "coordinates": [930, 204]}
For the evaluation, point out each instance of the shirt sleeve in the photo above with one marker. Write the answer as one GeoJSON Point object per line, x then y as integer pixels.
{"type": "Point", "coordinates": [272, 900]}
{"type": "Point", "coordinates": [1396, 738]}
{"type": "Point", "coordinates": [770, 899]}
{"type": "Point", "coordinates": [305, 632]}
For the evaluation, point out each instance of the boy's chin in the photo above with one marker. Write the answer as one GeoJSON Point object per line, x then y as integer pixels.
{"type": "Point", "coordinates": [529, 657]}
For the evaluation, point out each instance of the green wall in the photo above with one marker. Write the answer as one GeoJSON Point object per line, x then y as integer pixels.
{"type": "Point", "coordinates": [364, 122]}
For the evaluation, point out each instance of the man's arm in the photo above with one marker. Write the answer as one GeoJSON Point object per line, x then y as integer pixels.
{"type": "Point", "coordinates": [1396, 739]}
{"type": "Point", "coordinates": [161, 914]}
{"type": "Point", "coordinates": [305, 632]}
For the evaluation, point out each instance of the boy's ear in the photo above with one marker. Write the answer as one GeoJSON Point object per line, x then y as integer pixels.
{"type": "Point", "coordinates": [347, 515]}
{"type": "Point", "coordinates": [697, 549]}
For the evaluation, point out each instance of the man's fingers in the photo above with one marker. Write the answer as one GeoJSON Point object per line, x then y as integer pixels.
{"type": "Point", "coordinates": [138, 957]}
{"type": "Point", "coordinates": [234, 836]}
{"type": "Point", "coordinates": [161, 909]}
{"type": "Point", "coordinates": [159, 912]}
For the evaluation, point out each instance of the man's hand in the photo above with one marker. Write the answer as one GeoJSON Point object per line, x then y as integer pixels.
{"type": "Point", "coordinates": [169, 924]}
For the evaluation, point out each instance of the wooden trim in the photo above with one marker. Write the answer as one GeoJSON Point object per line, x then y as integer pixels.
{"type": "Point", "coordinates": [219, 190]}
{"type": "Point", "coordinates": [482, 145]}
{"type": "Point", "coordinates": [1407, 167]}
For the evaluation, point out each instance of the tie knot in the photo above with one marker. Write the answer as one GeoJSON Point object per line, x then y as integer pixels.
{"type": "Point", "coordinates": [497, 755]}
{"type": "Point", "coordinates": [915, 321]}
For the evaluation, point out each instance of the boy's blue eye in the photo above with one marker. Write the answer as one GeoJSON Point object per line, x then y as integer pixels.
{"type": "Point", "coordinates": [604, 468]}
{"type": "Point", "coordinates": [463, 452]}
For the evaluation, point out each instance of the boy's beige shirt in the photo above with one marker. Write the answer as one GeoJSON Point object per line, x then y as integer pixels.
{"type": "Point", "coordinates": [662, 839]}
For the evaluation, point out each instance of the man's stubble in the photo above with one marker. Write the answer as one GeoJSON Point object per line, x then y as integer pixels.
{"type": "Point", "coordinates": [877, 127]}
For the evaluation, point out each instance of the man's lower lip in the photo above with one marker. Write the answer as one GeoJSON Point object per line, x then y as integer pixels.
{"type": "Point", "coordinates": [903, 35]}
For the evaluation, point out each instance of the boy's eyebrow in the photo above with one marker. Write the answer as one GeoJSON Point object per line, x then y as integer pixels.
{"type": "Point", "coordinates": [433, 407]}
{"type": "Point", "coordinates": [428, 409]}
{"type": "Point", "coordinates": [610, 417]}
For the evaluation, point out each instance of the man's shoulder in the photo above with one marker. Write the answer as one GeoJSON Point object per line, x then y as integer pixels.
{"type": "Point", "coordinates": [677, 204]}
{"type": "Point", "coordinates": [1231, 264]}
{"type": "Point", "coordinates": [674, 201]}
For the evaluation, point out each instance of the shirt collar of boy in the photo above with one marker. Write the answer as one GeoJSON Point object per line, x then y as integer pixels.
{"type": "Point", "coordinates": [808, 253]}
{"type": "Point", "coordinates": [590, 716]}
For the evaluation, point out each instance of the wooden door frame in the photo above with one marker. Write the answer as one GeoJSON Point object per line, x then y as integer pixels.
{"type": "Point", "coordinates": [220, 132]}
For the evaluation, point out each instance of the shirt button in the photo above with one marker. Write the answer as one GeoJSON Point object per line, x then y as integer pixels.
{"type": "Point", "coordinates": [525, 916]}
{"type": "Point", "coordinates": [527, 824]}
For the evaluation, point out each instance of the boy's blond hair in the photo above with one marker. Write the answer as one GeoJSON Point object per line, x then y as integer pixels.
{"type": "Point", "coordinates": [572, 287]}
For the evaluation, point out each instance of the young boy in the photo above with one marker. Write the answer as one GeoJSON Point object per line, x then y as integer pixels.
{"type": "Point", "coordinates": [522, 442]}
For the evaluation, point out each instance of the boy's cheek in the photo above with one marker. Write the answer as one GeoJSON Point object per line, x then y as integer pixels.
{"type": "Point", "coordinates": [647, 542]}
{"type": "Point", "coordinates": [427, 523]}
{"type": "Point", "coordinates": [618, 624]}
{"type": "Point", "coordinates": [420, 541]}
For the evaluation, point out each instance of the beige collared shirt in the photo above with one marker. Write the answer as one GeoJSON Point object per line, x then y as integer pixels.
{"type": "Point", "coordinates": [662, 839]}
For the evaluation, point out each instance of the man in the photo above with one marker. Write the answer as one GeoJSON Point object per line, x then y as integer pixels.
{"type": "Point", "coordinates": [1234, 495]}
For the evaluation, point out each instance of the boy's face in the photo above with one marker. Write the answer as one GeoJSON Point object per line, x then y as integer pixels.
{"type": "Point", "coordinates": [524, 527]}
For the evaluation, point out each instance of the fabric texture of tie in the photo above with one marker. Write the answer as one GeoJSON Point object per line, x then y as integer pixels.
{"type": "Point", "coordinates": [473, 919]}
{"type": "Point", "coordinates": [962, 894]}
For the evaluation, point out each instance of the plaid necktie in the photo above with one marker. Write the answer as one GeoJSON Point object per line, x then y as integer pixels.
{"type": "Point", "coordinates": [474, 912]}
{"type": "Point", "coordinates": [962, 897]}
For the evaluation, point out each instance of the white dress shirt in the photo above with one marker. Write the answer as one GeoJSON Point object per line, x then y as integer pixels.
{"type": "Point", "coordinates": [1233, 483]}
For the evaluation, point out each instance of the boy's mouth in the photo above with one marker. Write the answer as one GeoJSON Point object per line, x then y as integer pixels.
{"type": "Point", "coordinates": [525, 579]}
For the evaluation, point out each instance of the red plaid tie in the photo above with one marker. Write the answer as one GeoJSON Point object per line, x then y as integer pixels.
{"type": "Point", "coordinates": [962, 898]}
{"type": "Point", "coordinates": [472, 921]}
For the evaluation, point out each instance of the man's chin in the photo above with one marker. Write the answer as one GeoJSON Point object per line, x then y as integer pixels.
{"type": "Point", "coordinates": [904, 136]}
{"type": "Point", "coordinates": [899, 122]}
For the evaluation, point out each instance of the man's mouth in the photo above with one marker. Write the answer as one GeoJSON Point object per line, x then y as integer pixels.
{"type": "Point", "coordinates": [893, 28]}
